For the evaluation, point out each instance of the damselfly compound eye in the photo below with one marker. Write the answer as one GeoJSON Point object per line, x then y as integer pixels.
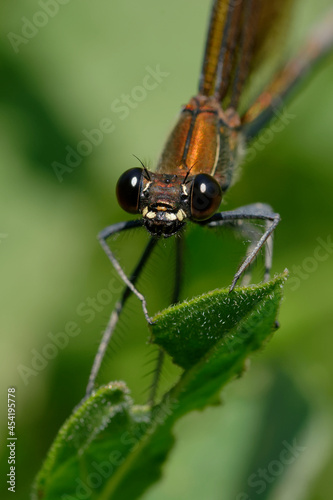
{"type": "Point", "coordinates": [206, 197]}
{"type": "Point", "coordinates": [128, 190]}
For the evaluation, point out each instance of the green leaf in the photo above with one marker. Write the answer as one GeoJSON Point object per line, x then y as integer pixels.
{"type": "Point", "coordinates": [91, 445]}
{"type": "Point", "coordinates": [112, 449]}
{"type": "Point", "coordinates": [227, 326]}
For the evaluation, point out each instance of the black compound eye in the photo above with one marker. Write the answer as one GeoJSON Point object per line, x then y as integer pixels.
{"type": "Point", "coordinates": [128, 190]}
{"type": "Point", "coordinates": [206, 197]}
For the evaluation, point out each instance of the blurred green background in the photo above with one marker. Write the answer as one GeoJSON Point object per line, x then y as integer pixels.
{"type": "Point", "coordinates": [63, 78]}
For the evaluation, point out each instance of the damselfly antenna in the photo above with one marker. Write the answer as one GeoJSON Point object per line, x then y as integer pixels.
{"type": "Point", "coordinates": [143, 166]}
{"type": "Point", "coordinates": [188, 172]}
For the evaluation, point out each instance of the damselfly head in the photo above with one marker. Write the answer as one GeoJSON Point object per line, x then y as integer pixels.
{"type": "Point", "coordinates": [164, 203]}
{"type": "Point", "coordinates": [167, 201]}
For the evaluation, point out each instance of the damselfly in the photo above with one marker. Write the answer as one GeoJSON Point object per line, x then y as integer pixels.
{"type": "Point", "coordinates": [198, 162]}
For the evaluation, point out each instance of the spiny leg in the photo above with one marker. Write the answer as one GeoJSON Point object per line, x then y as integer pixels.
{"type": "Point", "coordinates": [175, 297]}
{"type": "Point", "coordinates": [256, 211]}
{"type": "Point", "coordinates": [253, 234]}
{"type": "Point", "coordinates": [268, 254]}
{"type": "Point", "coordinates": [102, 237]}
{"type": "Point", "coordinates": [118, 307]}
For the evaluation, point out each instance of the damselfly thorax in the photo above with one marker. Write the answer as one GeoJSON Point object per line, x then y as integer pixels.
{"type": "Point", "coordinates": [194, 170]}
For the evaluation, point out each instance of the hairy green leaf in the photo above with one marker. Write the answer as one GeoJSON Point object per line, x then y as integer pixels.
{"type": "Point", "coordinates": [109, 448]}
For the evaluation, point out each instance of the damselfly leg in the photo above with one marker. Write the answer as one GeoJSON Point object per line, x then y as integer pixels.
{"type": "Point", "coordinates": [251, 233]}
{"type": "Point", "coordinates": [130, 288]}
{"type": "Point", "coordinates": [103, 236]}
{"type": "Point", "coordinates": [257, 211]}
